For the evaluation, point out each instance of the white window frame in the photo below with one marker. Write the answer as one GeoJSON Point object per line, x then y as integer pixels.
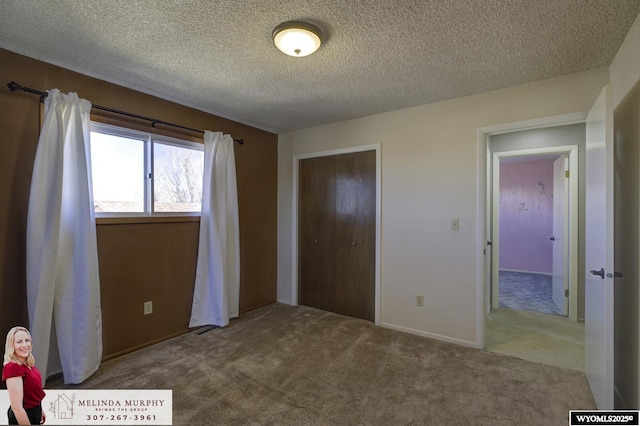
{"type": "Point", "coordinates": [149, 140]}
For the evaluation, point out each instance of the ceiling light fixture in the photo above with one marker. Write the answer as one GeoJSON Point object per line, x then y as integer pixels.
{"type": "Point", "coordinates": [297, 38]}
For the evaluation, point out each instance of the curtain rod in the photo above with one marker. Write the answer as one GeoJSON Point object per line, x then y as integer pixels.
{"type": "Point", "coordinates": [15, 87]}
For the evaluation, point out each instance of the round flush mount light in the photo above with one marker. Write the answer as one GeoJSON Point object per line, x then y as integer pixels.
{"type": "Point", "coordinates": [297, 38]}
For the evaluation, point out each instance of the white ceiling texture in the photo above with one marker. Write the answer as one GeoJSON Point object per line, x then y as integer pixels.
{"type": "Point", "coordinates": [378, 55]}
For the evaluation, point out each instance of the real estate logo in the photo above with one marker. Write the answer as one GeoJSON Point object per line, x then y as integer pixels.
{"type": "Point", "coordinates": [62, 406]}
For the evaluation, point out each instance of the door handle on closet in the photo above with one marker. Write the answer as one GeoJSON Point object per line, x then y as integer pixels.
{"type": "Point", "coordinates": [552, 238]}
{"type": "Point", "coordinates": [600, 273]}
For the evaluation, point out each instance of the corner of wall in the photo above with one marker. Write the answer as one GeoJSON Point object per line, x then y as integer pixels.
{"type": "Point", "coordinates": [624, 71]}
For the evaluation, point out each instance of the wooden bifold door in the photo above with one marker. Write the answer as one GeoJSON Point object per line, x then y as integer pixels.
{"type": "Point", "coordinates": [336, 233]}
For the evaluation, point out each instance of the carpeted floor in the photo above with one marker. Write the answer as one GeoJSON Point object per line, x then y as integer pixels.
{"type": "Point", "coordinates": [527, 292]}
{"type": "Point", "coordinates": [284, 365]}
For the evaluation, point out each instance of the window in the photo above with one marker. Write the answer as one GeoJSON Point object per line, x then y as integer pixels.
{"type": "Point", "coordinates": [137, 173]}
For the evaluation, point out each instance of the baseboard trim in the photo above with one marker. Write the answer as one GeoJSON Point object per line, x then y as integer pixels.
{"type": "Point", "coordinates": [430, 335]}
{"type": "Point", "coordinates": [285, 301]}
{"type": "Point", "coordinates": [259, 305]}
{"type": "Point", "coordinates": [144, 345]}
{"type": "Point", "coordinates": [525, 272]}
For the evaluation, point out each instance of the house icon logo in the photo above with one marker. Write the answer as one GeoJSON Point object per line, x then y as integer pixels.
{"type": "Point", "coordinates": [62, 407]}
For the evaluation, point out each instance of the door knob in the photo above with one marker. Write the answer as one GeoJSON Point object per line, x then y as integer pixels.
{"type": "Point", "coordinates": [315, 241]}
{"type": "Point", "coordinates": [615, 275]}
{"type": "Point", "coordinates": [552, 238]}
{"type": "Point", "coordinates": [600, 273]}
{"type": "Point", "coordinates": [353, 243]}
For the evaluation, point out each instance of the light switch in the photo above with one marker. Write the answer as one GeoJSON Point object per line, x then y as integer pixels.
{"type": "Point", "coordinates": [455, 224]}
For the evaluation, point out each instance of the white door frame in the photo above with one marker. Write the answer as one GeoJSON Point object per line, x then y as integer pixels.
{"type": "Point", "coordinates": [484, 202]}
{"type": "Point", "coordinates": [294, 221]}
{"type": "Point", "coordinates": [572, 152]}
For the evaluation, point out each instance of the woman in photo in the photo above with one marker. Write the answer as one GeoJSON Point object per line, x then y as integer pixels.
{"type": "Point", "coordinates": [24, 381]}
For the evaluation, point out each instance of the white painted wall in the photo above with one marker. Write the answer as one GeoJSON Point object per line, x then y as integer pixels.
{"type": "Point", "coordinates": [430, 175]}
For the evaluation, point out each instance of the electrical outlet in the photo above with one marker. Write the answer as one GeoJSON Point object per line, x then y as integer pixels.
{"type": "Point", "coordinates": [148, 308]}
{"type": "Point", "coordinates": [455, 224]}
{"type": "Point", "coordinates": [419, 300]}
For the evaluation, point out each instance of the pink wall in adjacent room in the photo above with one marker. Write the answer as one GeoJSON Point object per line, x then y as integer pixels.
{"type": "Point", "coordinates": [526, 215]}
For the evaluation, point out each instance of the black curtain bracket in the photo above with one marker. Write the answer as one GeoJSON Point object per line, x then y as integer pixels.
{"type": "Point", "coordinates": [15, 87]}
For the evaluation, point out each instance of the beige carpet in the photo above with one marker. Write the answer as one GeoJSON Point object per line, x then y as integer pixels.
{"type": "Point", "coordinates": [284, 365]}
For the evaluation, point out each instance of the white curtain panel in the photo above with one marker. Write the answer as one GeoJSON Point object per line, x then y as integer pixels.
{"type": "Point", "coordinates": [217, 288]}
{"type": "Point", "coordinates": [63, 288]}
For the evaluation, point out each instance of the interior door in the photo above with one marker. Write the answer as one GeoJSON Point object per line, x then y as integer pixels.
{"type": "Point", "coordinates": [488, 248]}
{"type": "Point", "coordinates": [627, 249]}
{"type": "Point", "coordinates": [337, 216]}
{"type": "Point", "coordinates": [355, 197]}
{"type": "Point", "coordinates": [364, 245]}
{"type": "Point", "coordinates": [599, 255]}
{"type": "Point", "coordinates": [560, 242]}
{"type": "Point", "coordinates": [345, 236]}
{"type": "Point", "coordinates": [316, 233]}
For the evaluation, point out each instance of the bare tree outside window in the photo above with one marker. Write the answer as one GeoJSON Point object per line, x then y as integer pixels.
{"type": "Point", "coordinates": [177, 178]}
{"type": "Point", "coordinates": [123, 160]}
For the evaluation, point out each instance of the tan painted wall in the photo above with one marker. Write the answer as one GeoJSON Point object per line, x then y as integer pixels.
{"type": "Point", "coordinates": [138, 261]}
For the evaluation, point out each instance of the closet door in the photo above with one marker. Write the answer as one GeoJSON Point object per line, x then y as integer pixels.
{"type": "Point", "coordinates": [345, 226]}
{"type": "Point", "coordinates": [336, 235]}
{"type": "Point", "coordinates": [355, 234]}
{"type": "Point", "coordinates": [365, 231]}
{"type": "Point", "coordinates": [316, 255]}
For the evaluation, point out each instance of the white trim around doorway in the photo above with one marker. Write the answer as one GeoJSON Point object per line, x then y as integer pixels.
{"type": "Point", "coordinates": [484, 200]}
{"type": "Point", "coordinates": [294, 221]}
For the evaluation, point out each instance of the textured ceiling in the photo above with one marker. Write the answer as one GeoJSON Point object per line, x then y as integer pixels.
{"type": "Point", "coordinates": [379, 55]}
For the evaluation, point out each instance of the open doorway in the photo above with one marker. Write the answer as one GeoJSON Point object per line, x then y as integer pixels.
{"type": "Point", "coordinates": [529, 214]}
{"type": "Point", "coordinates": [534, 156]}
{"type": "Point", "coordinates": [533, 273]}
